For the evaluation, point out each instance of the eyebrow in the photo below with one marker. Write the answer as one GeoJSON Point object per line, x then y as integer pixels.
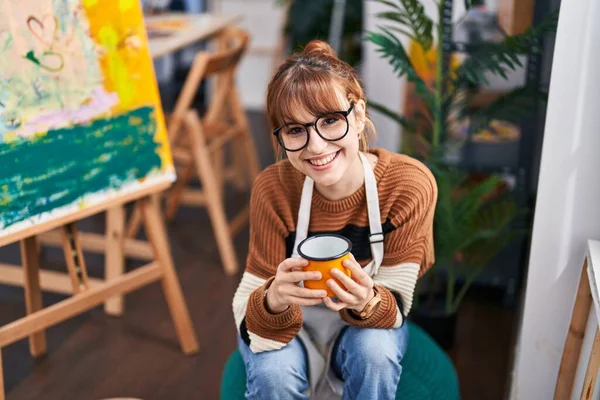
{"type": "Point", "coordinates": [314, 117]}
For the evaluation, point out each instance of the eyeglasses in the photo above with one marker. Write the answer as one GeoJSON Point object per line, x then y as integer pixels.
{"type": "Point", "coordinates": [331, 127]}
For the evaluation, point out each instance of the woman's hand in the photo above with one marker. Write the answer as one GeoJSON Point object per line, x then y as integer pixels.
{"type": "Point", "coordinates": [359, 288]}
{"type": "Point", "coordinates": [284, 290]}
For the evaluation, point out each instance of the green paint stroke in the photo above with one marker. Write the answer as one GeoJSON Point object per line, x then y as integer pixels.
{"type": "Point", "coordinates": [56, 169]}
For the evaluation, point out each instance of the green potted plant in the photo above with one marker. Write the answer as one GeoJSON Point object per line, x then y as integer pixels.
{"type": "Point", "coordinates": [473, 223]}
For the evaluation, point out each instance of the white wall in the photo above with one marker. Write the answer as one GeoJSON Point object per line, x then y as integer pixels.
{"type": "Point", "coordinates": [263, 19]}
{"type": "Point", "coordinates": [568, 206]}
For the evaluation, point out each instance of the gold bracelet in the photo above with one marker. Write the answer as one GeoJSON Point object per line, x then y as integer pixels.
{"type": "Point", "coordinates": [368, 311]}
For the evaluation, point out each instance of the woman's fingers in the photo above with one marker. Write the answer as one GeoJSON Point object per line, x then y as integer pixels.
{"type": "Point", "coordinates": [345, 280]}
{"type": "Point", "coordinates": [358, 274]}
{"type": "Point", "coordinates": [301, 301]}
{"type": "Point", "coordinates": [297, 291]}
{"type": "Point", "coordinates": [341, 293]}
{"type": "Point", "coordinates": [297, 276]}
{"type": "Point", "coordinates": [290, 263]}
{"type": "Point", "coordinates": [332, 305]}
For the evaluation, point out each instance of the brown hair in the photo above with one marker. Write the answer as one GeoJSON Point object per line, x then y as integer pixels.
{"type": "Point", "coordinates": [307, 81]}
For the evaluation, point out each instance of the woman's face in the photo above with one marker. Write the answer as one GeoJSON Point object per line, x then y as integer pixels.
{"type": "Point", "coordinates": [327, 162]}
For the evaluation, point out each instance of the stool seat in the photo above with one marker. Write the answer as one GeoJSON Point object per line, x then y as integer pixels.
{"type": "Point", "coordinates": [427, 372]}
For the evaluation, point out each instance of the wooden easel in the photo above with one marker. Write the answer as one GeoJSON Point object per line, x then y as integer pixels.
{"type": "Point", "coordinates": [87, 292]}
{"type": "Point", "coordinates": [587, 294]}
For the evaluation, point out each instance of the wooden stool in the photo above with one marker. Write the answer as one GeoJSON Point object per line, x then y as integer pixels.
{"type": "Point", "coordinates": [586, 292]}
{"type": "Point", "coordinates": [198, 143]}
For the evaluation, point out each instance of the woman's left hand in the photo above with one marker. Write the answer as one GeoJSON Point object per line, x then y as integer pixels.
{"type": "Point", "coordinates": [359, 288]}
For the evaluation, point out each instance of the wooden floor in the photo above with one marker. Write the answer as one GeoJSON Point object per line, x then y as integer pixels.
{"type": "Point", "coordinates": [95, 356]}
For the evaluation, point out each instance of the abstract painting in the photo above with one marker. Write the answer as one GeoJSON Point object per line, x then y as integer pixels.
{"type": "Point", "coordinates": [80, 115]}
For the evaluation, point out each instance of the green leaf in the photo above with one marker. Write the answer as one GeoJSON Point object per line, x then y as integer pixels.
{"type": "Point", "coordinates": [411, 15]}
{"type": "Point", "coordinates": [511, 107]}
{"type": "Point", "coordinates": [457, 210]}
{"type": "Point", "coordinates": [394, 16]}
{"type": "Point", "coordinates": [468, 4]}
{"type": "Point", "coordinates": [402, 121]}
{"type": "Point", "coordinates": [402, 32]}
{"type": "Point", "coordinates": [499, 57]}
{"type": "Point", "coordinates": [420, 23]}
{"type": "Point", "coordinates": [391, 48]}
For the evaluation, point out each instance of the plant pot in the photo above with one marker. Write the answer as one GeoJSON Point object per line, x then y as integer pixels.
{"type": "Point", "coordinates": [440, 326]}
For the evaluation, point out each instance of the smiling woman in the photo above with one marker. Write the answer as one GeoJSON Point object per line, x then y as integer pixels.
{"type": "Point", "coordinates": [330, 184]}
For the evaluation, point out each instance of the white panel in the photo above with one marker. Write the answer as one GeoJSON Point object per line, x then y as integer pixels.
{"type": "Point", "coordinates": [263, 19]}
{"type": "Point", "coordinates": [567, 212]}
{"type": "Point", "coordinates": [252, 80]}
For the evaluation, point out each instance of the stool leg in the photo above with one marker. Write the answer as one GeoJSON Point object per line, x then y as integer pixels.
{"type": "Point", "coordinates": [568, 364]}
{"type": "Point", "coordinates": [114, 262]}
{"type": "Point", "coordinates": [33, 291]}
{"type": "Point", "coordinates": [592, 369]}
{"type": "Point", "coordinates": [211, 192]}
{"type": "Point", "coordinates": [253, 164]}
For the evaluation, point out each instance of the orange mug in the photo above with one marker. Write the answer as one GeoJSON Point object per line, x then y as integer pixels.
{"type": "Point", "coordinates": [325, 252]}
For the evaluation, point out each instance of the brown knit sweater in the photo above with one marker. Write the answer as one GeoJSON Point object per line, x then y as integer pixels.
{"type": "Point", "coordinates": [407, 198]}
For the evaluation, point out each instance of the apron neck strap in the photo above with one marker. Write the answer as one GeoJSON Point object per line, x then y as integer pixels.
{"type": "Point", "coordinates": [303, 214]}
{"type": "Point", "coordinates": [376, 234]}
{"type": "Point", "coordinates": [374, 214]}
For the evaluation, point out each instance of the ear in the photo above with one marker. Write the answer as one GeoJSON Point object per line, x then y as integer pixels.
{"type": "Point", "coordinates": [360, 113]}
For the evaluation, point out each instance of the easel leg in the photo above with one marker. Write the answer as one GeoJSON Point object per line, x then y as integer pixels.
{"type": "Point", "coordinates": [592, 369]}
{"type": "Point", "coordinates": [135, 221]}
{"type": "Point", "coordinates": [33, 292]}
{"type": "Point", "coordinates": [177, 306]}
{"type": "Point", "coordinates": [570, 357]}
{"type": "Point", "coordinates": [114, 264]}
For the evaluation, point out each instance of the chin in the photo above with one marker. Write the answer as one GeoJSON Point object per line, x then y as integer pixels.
{"type": "Point", "coordinates": [326, 180]}
{"type": "Point", "coordinates": [329, 176]}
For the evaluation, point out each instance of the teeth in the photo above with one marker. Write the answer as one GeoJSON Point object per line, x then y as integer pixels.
{"type": "Point", "coordinates": [323, 161]}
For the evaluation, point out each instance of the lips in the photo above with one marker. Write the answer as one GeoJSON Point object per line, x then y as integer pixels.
{"type": "Point", "coordinates": [324, 160]}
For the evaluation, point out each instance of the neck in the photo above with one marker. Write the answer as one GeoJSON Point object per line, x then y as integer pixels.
{"type": "Point", "coordinates": [352, 180]}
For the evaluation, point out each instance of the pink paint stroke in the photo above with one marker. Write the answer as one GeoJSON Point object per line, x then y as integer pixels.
{"type": "Point", "coordinates": [100, 103]}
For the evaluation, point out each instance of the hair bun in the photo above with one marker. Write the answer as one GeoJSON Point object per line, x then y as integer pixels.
{"type": "Point", "coordinates": [319, 47]}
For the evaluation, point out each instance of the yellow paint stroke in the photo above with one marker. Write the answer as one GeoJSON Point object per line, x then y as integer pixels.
{"type": "Point", "coordinates": [125, 5]}
{"type": "Point", "coordinates": [4, 196]}
{"type": "Point", "coordinates": [11, 137]}
{"type": "Point", "coordinates": [117, 67]}
{"type": "Point", "coordinates": [118, 29]}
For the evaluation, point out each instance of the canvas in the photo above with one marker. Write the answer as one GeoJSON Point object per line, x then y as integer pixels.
{"type": "Point", "coordinates": [80, 113]}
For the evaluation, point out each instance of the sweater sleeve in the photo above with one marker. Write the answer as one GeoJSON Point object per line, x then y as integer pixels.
{"type": "Point", "coordinates": [261, 330]}
{"type": "Point", "coordinates": [411, 216]}
{"type": "Point", "coordinates": [408, 249]}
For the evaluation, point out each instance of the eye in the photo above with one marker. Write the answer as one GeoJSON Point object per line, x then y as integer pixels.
{"type": "Point", "coordinates": [329, 121]}
{"type": "Point", "coordinates": [295, 130]}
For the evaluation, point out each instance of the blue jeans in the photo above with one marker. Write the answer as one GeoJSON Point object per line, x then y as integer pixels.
{"type": "Point", "coordinates": [367, 360]}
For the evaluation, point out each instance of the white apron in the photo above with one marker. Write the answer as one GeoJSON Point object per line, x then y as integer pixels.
{"type": "Point", "coordinates": [322, 325]}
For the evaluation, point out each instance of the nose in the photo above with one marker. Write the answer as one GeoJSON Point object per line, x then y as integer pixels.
{"type": "Point", "coordinates": [316, 144]}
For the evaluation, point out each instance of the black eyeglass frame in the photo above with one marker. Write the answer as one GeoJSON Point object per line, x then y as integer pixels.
{"type": "Point", "coordinates": [314, 124]}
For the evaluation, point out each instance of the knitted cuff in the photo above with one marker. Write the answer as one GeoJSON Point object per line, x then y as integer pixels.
{"type": "Point", "coordinates": [384, 316]}
{"type": "Point", "coordinates": [281, 327]}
